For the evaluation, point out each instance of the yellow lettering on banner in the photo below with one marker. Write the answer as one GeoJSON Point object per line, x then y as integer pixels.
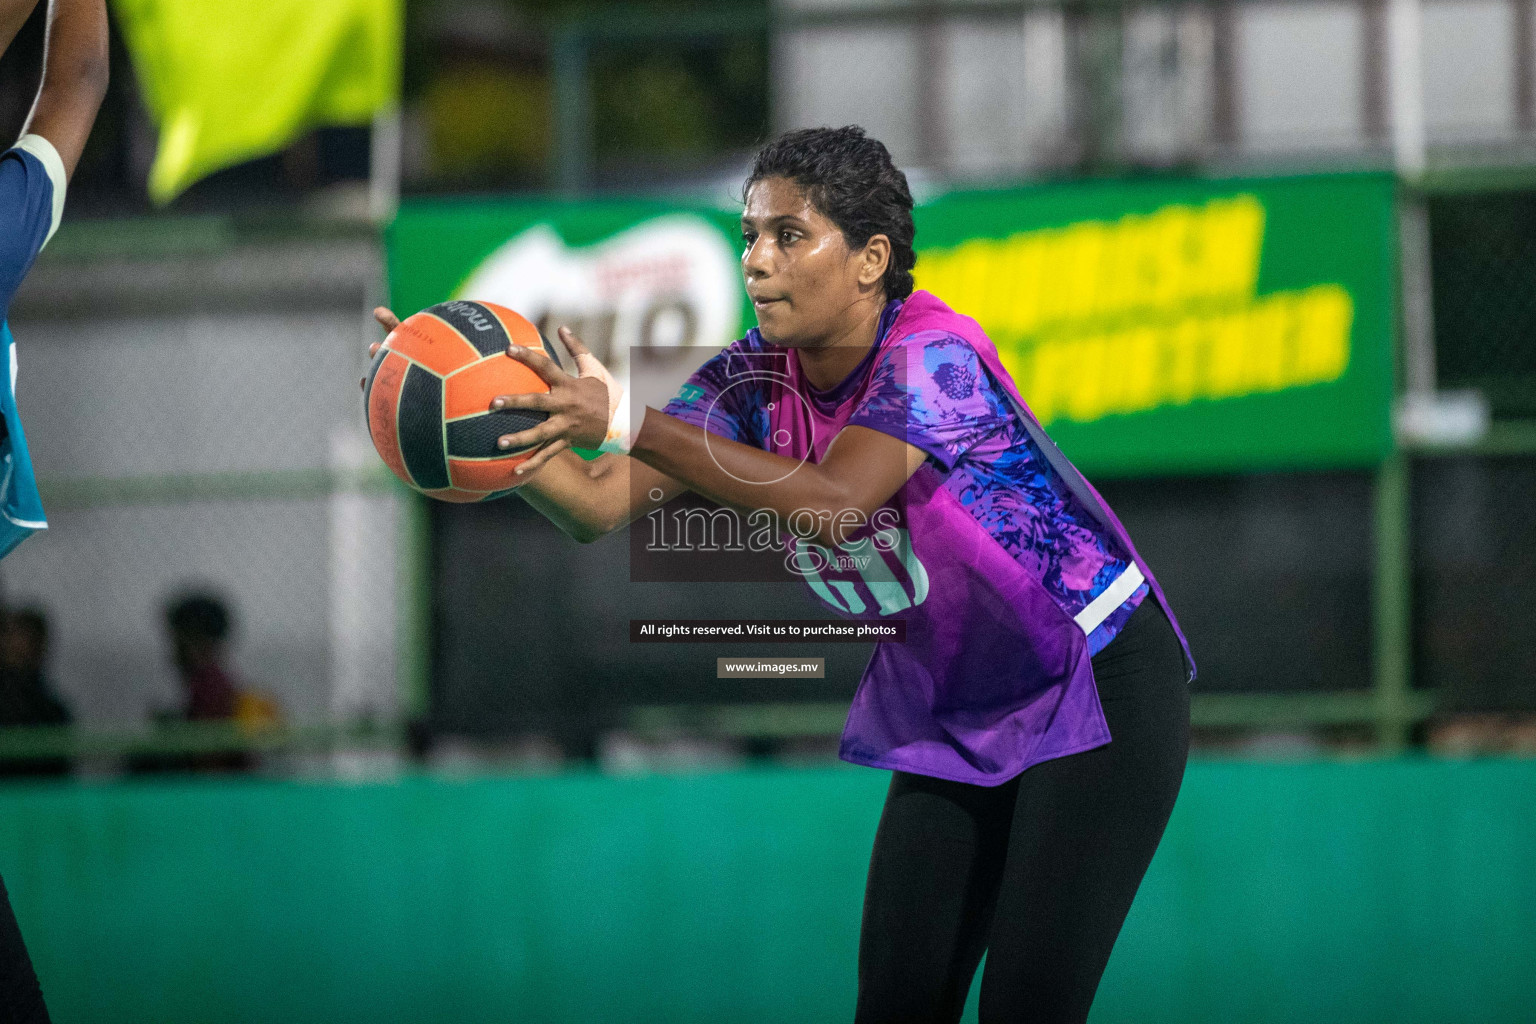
{"type": "Point", "coordinates": [977, 268]}
{"type": "Point", "coordinates": [1285, 340]}
{"type": "Point", "coordinates": [1138, 370]}
{"type": "Point", "coordinates": [1322, 336]}
{"type": "Point", "coordinates": [1082, 258]}
{"type": "Point", "coordinates": [1088, 393]}
{"type": "Point", "coordinates": [1110, 317]}
{"type": "Point", "coordinates": [1233, 242]}
{"type": "Point", "coordinates": [1182, 362]}
{"type": "Point", "coordinates": [1050, 374]}
{"type": "Point", "coordinates": [1049, 305]}
{"type": "Point", "coordinates": [1131, 273]}
{"type": "Point", "coordinates": [1026, 274]}
{"type": "Point", "coordinates": [1225, 355]}
{"type": "Point", "coordinates": [966, 272]}
{"type": "Point", "coordinates": [1169, 250]}
{"type": "Point", "coordinates": [1271, 327]}
{"type": "Point", "coordinates": [1004, 291]}
{"type": "Point", "coordinates": [1100, 270]}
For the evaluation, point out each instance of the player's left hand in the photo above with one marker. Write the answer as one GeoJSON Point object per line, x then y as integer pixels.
{"type": "Point", "coordinates": [579, 407]}
{"type": "Point", "coordinates": [389, 322]}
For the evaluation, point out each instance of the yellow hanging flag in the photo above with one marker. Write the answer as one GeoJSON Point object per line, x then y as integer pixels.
{"type": "Point", "coordinates": [231, 80]}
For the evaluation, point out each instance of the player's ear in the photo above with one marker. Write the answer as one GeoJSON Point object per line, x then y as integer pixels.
{"type": "Point", "coordinates": [874, 259]}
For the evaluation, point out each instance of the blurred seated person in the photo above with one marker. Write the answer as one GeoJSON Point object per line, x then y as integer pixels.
{"type": "Point", "coordinates": [199, 626]}
{"type": "Point", "coordinates": [26, 698]}
{"type": "Point", "coordinates": [1466, 734]}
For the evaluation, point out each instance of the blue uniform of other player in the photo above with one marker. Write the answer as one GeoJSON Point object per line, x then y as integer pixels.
{"type": "Point", "coordinates": [31, 203]}
{"type": "Point", "coordinates": [33, 175]}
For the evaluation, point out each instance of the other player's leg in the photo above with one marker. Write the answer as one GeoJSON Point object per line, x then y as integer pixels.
{"type": "Point", "coordinates": [21, 997]}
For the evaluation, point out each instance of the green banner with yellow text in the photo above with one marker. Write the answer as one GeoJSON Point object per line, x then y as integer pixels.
{"type": "Point", "coordinates": [1170, 326]}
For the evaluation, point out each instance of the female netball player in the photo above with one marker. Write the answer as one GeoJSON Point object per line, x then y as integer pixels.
{"type": "Point", "coordinates": [33, 175]}
{"type": "Point", "coordinates": [1036, 719]}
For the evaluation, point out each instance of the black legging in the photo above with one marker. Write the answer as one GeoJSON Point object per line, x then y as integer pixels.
{"type": "Point", "coordinates": [1038, 872]}
{"type": "Point", "coordinates": [21, 999]}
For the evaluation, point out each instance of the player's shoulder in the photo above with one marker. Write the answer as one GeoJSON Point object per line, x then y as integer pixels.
{"type": "Point", "coordinates": [936, 338]}
{"type": "Point", "coordinates": [942, 368]}
{"type": "Point", "coordinates": [751, 357]}
{"type": "Point", "coordinates": [929, 348]}
{"type": "Point", "coordinates": [751, 342]}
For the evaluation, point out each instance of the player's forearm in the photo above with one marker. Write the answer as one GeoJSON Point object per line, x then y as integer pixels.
{"type": "Point", "coordinates": [725, 471]}
{"type": "Point", "coordinates": [586, 500]}
{"type": "Point", "coordinates": [74, 77]}
{"type": "Point", "coordinates": [13, 15]}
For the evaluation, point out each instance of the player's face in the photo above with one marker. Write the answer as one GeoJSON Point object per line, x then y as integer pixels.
{"type": "Point", "coordinates": [801, 276]}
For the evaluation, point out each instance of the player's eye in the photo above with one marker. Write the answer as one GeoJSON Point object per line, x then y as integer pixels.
{"type": "Point", "coordinates": [747, 238]}
{"type": "Point", "coordinates": [787, 237]}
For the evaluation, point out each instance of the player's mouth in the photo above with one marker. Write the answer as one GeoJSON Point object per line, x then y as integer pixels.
{"type": "Point", "coordinates": [762, 301]}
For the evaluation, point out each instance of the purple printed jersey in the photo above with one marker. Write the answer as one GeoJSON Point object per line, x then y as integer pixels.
{"type": "Point", "coordinates": [1006, 565]}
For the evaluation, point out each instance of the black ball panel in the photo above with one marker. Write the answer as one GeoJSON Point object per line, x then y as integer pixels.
{"type": "Point", "coordinates": [475, 437]}
{"type": "Point", "coordinates": [478, 325]}
{"type": "Point", "coordinates": [421, 428]}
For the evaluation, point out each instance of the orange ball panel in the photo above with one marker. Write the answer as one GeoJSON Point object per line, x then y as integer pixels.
{"type": "Point", "coordinates": [519, 328]}
{"type": "Point", "coordinates": [432, 343]}
{"type": "Point", "coordinates": [382, 402]}
{"type": "Point", "coordinates": [458, 496]}
{"type": "Point", "coordinates": [488, 474]}
{"type": "Point", "coordinates": [469, 392]}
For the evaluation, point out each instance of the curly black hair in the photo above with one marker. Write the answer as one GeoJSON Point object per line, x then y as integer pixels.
{"type": "Point", "coordinates": [850, 179]}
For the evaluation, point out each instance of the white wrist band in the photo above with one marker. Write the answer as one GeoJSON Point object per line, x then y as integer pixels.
{"type": "Point", "coordinates": [619, 440]}
{"type": "Point", "coordinates": [54, 165]}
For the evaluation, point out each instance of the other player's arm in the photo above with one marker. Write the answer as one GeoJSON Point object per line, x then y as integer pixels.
{"type": "Point", "coordinates": [74, 77]}
{"type": "Point", "coordinates": [13, 15]}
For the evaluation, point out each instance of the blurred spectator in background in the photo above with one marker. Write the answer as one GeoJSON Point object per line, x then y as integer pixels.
{"type": "Point", "coordinates": [199, 626]}
{"type": "Point", "coordinates": [26, 698]}
{"type": "Point", "coordinates": [1485, 734]}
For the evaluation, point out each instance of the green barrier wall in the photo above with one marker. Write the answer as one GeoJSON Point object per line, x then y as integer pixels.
{"type": "Point", "coordinates": [1398, 891]}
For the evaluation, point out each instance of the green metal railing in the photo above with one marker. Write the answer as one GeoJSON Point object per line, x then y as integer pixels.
{"type": "Point", "coordinates": [188, 738]}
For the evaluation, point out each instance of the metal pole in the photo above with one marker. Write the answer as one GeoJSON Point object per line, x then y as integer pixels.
{"type": "Point", "coordinates": [1405, 59]}
{"type": "Point", "coordinates": [1405, 56]}
{"type": "Point", "coordinates": [932, 80]}
{"type": "Point", "coordinates": [1374, 68]}
{"type": "Point", "coordinates": [384, 166]}
{"type": "Point", "coordinates": [1525, 65]}
{"type": "Point", "coordinates": [1418, 301]}
{"type": "Point", "coordinates": [1224, 115]}
{"type": "Point", "coordinates": [1391, 631]}
{"type": "Point", "coordinates": [1392, 625]}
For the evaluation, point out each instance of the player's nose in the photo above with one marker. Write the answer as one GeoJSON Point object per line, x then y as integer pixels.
{"type": "Point", "coordinates": [754, 262]}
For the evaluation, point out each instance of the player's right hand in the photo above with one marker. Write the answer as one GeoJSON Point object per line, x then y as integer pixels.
{"type": "Point", "coordinates": [389, 322]}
